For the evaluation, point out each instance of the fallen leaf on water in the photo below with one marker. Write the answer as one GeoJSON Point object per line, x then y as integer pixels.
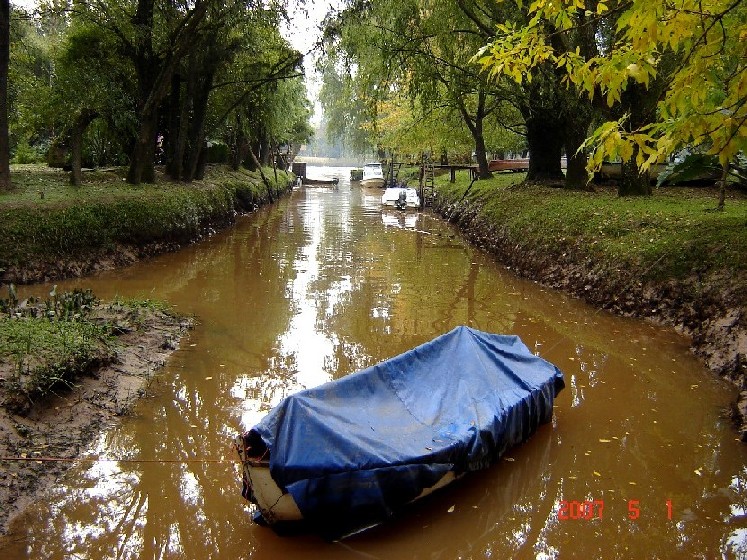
{"type": "Point", "coordinates": [451, 509]}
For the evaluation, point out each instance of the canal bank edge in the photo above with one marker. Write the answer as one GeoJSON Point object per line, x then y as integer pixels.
{"type": "Point", "coordinates": [104, 224]}
{"type": "Point", "coordinates": [708, 308]}
{"type": "Point", "coordinates": [57, 429]}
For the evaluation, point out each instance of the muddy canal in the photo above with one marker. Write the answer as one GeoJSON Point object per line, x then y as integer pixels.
{"type": "Point", "coordinates": [324, 283]}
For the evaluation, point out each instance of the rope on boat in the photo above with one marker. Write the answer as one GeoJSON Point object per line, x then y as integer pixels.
{"type": "Point", "coordinates": [110, 460]}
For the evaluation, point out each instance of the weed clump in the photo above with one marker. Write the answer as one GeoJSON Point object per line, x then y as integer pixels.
{"type": "Point", "coordinates": [45, 345]}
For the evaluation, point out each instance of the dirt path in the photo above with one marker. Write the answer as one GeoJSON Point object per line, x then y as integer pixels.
{"type": "Point", "coordinates": [63, 426]}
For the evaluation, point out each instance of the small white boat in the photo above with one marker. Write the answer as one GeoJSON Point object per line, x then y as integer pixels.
{"type": "Point", "coordinates": [373, 175]}
{"type": "Point", "coordinates": [401, 198]}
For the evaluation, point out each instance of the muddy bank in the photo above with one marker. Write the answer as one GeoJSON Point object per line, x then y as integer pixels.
{"type": "Point", "coordinates": [38, 270]}
{"type": "Point", "coordinates": [707, 307]}
{"type": "Point", "coordinates": [62, 426]}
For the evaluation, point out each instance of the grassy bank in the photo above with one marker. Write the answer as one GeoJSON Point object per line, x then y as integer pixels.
{"type": "Point", "coordinates": [46, 223]}
{"type": "Point", "coordinates": [671, 235]}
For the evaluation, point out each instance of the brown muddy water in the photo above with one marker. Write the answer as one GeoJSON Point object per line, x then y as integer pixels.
{"type": "Point", "coordinates": [324, 283]}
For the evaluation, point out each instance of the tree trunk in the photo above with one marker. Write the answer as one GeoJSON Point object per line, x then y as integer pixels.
{"type": "Point", "coordinates": [576, 176]}
{"type": "Point", "coordinates": [142, 161]}
{"type": "Point", "coordinates": [252, 163]}
{"type": "Point", "coordinates": [4, 64]}
{"type": "Point", "coordinates": [475, 127]}
{"type": "Point", "coordinates": [173, 134]}
{"type": "Point", "coordinates": [197, 126]}
{"type": "Point", "coordinates": [633, 182]}
{"type": "Point", "coordinates": [640, 105]}
{"type": "Point", "coordinates": [265, 180]}
{"type": "Point", "coordinates": [483, 172]}
{"type": "Point", "coordinates": [545, 141]}
{"type": "Point", "coordinates": [722, 187]}
{"type": "Point", "coordinates": [238, 145]}
{"type": "Point", "coordinates": [264, 150]}
{"type": "Point", "coordinates": [76, 145]}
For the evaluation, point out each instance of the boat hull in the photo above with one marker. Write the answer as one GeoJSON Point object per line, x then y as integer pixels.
{"type": "Point", "coordinates": [277, 507]}
{"type": "Point", "coordinates": [392, 197]}
{"type": "Point", "coordinates": [373, 182]}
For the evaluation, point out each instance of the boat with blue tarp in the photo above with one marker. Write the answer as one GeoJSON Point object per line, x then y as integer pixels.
{"type": "Point", "coordinates": [351, 453]}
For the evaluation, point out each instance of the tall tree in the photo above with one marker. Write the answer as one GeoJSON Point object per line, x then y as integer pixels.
{"type": "Point", "coordinates": [683, 63]}
{"type": "Point", "coordinates": [4, 65]}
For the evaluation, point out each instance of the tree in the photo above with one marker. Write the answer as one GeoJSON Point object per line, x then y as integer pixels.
{"type": "Point", "coordinates": [88, 56]}
{"type": "Point", "coordinates": [415, 50]}
{"type": "Point", "coordinates": [554, 118]}
{"type": "Point", "coordinates": [4, 65]}
{"type": "Point", "coordinates": [696, 45]}
{"type": "Point", "coordinates": [259, 99]}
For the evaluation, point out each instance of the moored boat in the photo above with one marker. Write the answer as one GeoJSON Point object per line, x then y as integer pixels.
{"type": "Point", "coordinates": [313, 182]}
{"type": "Point", "coordinates": [401, 197]}
{"type": "Point", "coordinates": [349, 454]}
{"type": "Point", "coordinates": [373, 175]}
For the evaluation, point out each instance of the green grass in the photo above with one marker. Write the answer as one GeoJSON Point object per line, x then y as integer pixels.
{"type": "Point", "coordinates": [45, 218]}
{"type": "Point", "coordinates": [672, 234]}
{"type": "Point", "coordinates": [46, 346]}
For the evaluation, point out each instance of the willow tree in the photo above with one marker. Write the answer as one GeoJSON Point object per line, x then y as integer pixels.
{"type": "Point", "coordinates": [259, 100]}
{"type": "Point", "coordinates": [418, 50]}
{"type": "Point", "coordinates": [698, 43]}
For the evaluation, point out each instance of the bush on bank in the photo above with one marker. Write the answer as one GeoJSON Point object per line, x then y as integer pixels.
{"type": "Point", "coordinates": [44, 219]}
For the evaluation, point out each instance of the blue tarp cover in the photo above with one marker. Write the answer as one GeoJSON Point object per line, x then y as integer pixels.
{"type": "Point", "coordinates": [352, 451]}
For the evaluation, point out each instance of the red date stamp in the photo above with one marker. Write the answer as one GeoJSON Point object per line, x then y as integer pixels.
{"type": "Point", "coordinates": [594, 509]}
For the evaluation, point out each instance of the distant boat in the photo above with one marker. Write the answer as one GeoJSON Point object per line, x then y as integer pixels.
{"type": "Point", "coordinates": [519, 164]}
{"type": "Point", "coordinates": [351, 453]}
{"type": "Point", "coordinates": [307, 181]}
{"type": "Point", "coordinates": [373, 175]}
{"type": "Point", "coordinates": [401, 197]}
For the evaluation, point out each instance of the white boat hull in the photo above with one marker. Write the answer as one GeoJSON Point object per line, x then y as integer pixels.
{"type": "Point", "coordinates": [373, 182]}
{"type": "Point", "coordinates": [373, 175]}
{"type": "Point", "coordinates": [391, 197]}
{"type": "Point", "coordinates": [277, 506]}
